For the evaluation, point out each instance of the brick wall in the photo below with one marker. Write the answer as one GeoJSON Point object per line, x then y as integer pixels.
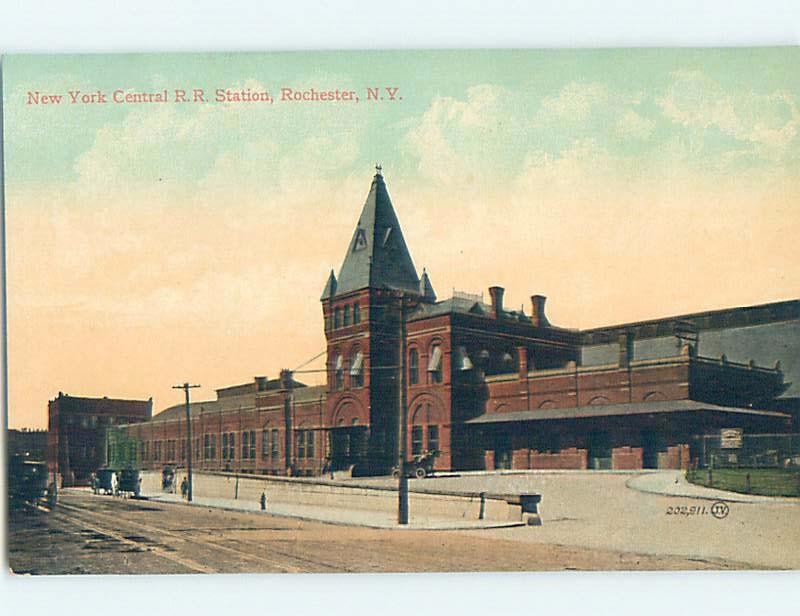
{"type": "Point", "coordinates": [626, 458]}
{"type": "Point", "coordinates": [674, 458]}
{"type": "Point", "coordinates": [566, 459]}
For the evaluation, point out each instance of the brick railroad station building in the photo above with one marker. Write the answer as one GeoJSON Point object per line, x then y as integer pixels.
{"type": "Point", "coordinates": [485, 386]}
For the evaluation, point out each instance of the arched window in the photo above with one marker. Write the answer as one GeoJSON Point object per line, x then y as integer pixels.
{"type": "Point", "coordinates": [338, 373]}
{"type": "Point", "coordinates": [435, 364]}
{"type": "Point", "coordinates": [347, 315]}
{"type": "Point", "coordinates": [356, 314]}
{"type": "Point", "coordinates": [337, 318]}
{"type": "Point", "coordinates": [357, 369]}
{"type": "Point", "coordinates": [413, 367]}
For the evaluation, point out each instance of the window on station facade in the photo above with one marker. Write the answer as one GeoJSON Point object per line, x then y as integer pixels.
{"type": "Point", "coordinates": [231, 446]}
{"type": "Point", "coordinates": [339, 373]}
{"type": "Point", "coordinates": [433, 438]}
{"type": "Point", "coordinates": [416, 440]}
{"type": "Point", "coordinates": [464, 362]}
{"type": "Point", "coordinates": [347, 315]}
{"type": "Point", "coordinates": [356, 314]}
{"type": "Point", "coordinates": [435, 364]}
{"type": "Point", "coordinates": [252, 454]}
{"type": "Point", "coordinates": [275, 447]}
{"type": "Point", "coordinates": [337, 318]}
{"type": "Point", "coordinates": [245, 446]}
{"type": "Point", "coordinates": [305, 444]}
{"type": "Point", "coordinates": [264, 443]}
{"type": "Point", "coordinates": [357, 369]}
{"type": "Point", "coordinates": [413, 367]}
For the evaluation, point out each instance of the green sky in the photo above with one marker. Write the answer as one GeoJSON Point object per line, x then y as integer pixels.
{"type": "Point", "coordinates": [46, 144]}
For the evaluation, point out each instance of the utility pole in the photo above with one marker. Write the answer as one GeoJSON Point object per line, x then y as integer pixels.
{"type": "Point", "coordinates": [186, 387]}
{"type": "Point", "coordinates": [402, 412]}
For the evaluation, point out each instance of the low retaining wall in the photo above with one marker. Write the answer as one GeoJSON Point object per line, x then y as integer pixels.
{"type": "Point", "coordinates": [434, 505]}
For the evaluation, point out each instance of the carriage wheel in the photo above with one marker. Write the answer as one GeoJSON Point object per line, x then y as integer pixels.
{"type": "Point", "coordinates": [420, 473]}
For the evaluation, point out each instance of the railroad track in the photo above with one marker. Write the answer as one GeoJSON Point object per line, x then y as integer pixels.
{"type": "Point", "coordinates": [165, 544]}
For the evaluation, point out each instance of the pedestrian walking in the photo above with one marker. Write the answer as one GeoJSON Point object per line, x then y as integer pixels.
{"type": "Point", "coordinates": [184, 488]}
{"type": "Point", "coordinates": [263, 501]}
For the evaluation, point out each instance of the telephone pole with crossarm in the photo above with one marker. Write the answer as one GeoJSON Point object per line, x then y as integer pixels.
{"type": "Point", "coordinates": [186, 387]}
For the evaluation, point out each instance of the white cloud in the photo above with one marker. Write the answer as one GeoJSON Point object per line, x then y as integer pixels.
{"type": "Point", "coordinates": [694, 100]}
{"type": "Point", "coordinates": [632, 125]}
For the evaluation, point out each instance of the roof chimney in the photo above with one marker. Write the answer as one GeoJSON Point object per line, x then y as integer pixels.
{"type": "Point", "coordinates": [261, 383]}
{"type": "Point", "coordinates": [538, 318]}
{"type": "Point", "coordinates": [497, 301]}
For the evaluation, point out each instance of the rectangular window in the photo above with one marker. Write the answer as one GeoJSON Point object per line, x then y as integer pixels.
{"type": "Point", "coordinates": [416, 440]}
{"type": "Point", "coordinates": [413, 367]}
{"type": "Point", "coordinates": [275, 446]}
{"type": "Point", "coordinates": [224, 445]}
{"type": "Point", "coordinates": [264, 443]}
{"type": "Point", "coordinates": [301, 444]}
{"type": "Point", "coordinates": [252, 444]}
{"type": "Point", "coordinates": [433, 438]}
{"type": "Point", "coordinates": [232, 446]}
{"type": "Point", "coordinates": [310, 444]}
{"type": "Point", "coordinates": [213, 446]}
{"type": "Point", "coordinates": [356, 314]}
{"type": "Point", "coordinates": [245, 446]}
{"type": "Point", "coordinates": [206, 446]}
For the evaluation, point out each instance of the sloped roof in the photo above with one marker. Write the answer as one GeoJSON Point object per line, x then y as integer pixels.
{"type": "Point", "coordinates": [377, 256]}
{"type": "Point", "coordinates": [606, 410]}
{"type": "Point", "coordinates": [462, 305]}
{"type": "Point", "coordinates": [426, 288]}
{"type": "Point", "coordinates": [330, 287]}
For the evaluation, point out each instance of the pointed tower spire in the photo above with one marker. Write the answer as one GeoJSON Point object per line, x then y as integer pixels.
{"type": "Point", "coordinates": [330, 287]}
{"type": "Point", "coordinates": [377, 256]}
{"type": "Point", "coordinates": [426, 288]}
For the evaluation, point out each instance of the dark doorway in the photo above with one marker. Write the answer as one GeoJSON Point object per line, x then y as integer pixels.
{"type": "Point", "coordinates": [502, 452]}
{"type": "Point", "coordinates": [348, 447]}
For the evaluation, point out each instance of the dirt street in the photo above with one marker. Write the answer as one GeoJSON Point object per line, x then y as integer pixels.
{"type": "Point", "coordinates": [96, 534]}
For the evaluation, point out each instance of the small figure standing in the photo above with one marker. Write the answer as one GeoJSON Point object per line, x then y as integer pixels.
{"type": "Point", "coordinates": [263, 501]}
{"type": "Point", "coordinates": [184, 488]}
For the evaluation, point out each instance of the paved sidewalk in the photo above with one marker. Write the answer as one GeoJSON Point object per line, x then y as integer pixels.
{"type": "Point", "coordinates": [674, 483]}
{"type": "Point", "coordinates": [344, 517]}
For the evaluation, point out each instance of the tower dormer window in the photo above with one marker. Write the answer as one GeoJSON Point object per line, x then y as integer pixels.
{"type": "Point", "coordinates": [356, 314]}
{"type": "Point", "coordinates": [337, 318]}
{"type": "Point", "coordinates": [347, 315]}
{"type": "Point", "coordinates": [361, 240]}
